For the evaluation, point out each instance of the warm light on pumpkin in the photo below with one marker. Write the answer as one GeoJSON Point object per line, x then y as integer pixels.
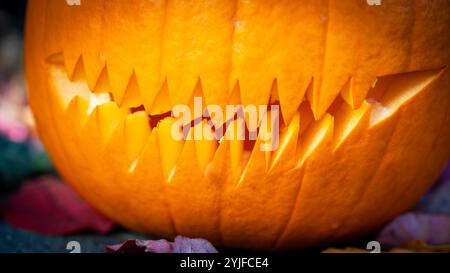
{"type": "Point", "coordinates": [363, 92]}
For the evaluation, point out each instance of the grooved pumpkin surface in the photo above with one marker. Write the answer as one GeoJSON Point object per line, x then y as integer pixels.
{"type": "Point", "coordinates": [363, 92]}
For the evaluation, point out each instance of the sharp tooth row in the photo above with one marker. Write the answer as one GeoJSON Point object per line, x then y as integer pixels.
{"type": "Point", "coordinates": [300, 137]}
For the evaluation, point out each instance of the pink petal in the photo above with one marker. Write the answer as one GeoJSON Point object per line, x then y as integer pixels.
{"type": "Point", "coordinates": [181, 245]}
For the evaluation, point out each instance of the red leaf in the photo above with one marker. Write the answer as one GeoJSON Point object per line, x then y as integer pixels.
{"type": "Point", "coordinates": [181, 245]}
{"type": "Point", "coordinates": [432, 229]}
{"type": "Point", "coordinates": [48, 206]}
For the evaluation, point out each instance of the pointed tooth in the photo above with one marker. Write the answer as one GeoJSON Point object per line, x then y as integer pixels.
{"type": "Point", "coordinates": [235, 135]}
{"type": "Point", "coordinates": [162, 103]}
{"type": "Point", "coordinates": [347, 94]}
{"type": "Point", "coordinates": [197, 104]}
{"type": "Point", "coordinates": [274, 96]}
{"type": "Point", "coordinates": [132, 96]}
{"type": "Point", "coordinates": [77, 71]}
{"type": "Point", "coordinates": [103, 85]}
{"type": "Point", "coordinates": [108, 117]}
{"type": "Point", "coordinates": [346, 120]}
{"type": "Point", "coordinates": [268, 136]}
{"type": "Point", "coordinates": [235, 95]}
{"type": "Point", "coordinates": [401, 89]}
{"type": "Point", "coordinates": [284, 156]}
{"type": "Point", "coordinates": [77, 113]}
{"type": "Point", "coordinates": [319, 131]}
{"type": "Point", "coordinates": [306, 116]}
{"type": "Point", "coordinates": [137, 131]}
{"type": "Point", "coordinates": [151, 86]}
{"type": "Point", "coordinates": [258, 163]}
{"type": "Point", "coordinates": [94, 63]}
{"type": "Point", "coordinates": [170, 146]}
{"type": "Point", "coordinates": [206, 145]}
{"type": "Point", "coordinates": [360, 87]}
{"type": "Point", "coordinates": [119, 77]}
{"type": "Point", "coordinates": [252, 113]}
{"type": "Point", "coordinates": [291, 96]}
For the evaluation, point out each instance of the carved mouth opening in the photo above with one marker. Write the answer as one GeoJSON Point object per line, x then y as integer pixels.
{"type": "Point", "coordinates": [384, 99]}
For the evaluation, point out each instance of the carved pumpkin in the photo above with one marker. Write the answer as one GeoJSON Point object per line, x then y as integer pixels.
{"type": "Point", "coordinates": [363, 93]}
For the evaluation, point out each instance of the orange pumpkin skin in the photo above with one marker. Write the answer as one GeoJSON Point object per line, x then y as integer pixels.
{"type": "Point", "coordinates": [363, 91]}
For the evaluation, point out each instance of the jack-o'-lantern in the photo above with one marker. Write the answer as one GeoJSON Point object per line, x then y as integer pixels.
{"type": "Point", "coordinates": [362, 91]}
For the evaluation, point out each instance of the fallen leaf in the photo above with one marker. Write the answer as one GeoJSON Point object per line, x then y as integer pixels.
{"type": "Point", "coordinates": [180, 245]}
{"type": "Point", "coordinates": [47, 206]}
{"type": "Point", "coordinates": [429, 228]}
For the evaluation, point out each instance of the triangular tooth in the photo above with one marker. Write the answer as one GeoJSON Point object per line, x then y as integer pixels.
{"type": "Point", "coordinates": [162, 103]}
{"type": "Point", "coordinates": [260, 93]}
{"type": "Point", "coordinates": [137, 131]}
{"type": "Point", "coordinates": [235, 135]}
{"type": "Point", "coordinates": [347, 92]}
{"type": "Point", "coordinates": [306, 116]}
{"type": "Point", "coordinates": [346, 120]}
{"type": "Point", "coordinates": [151, 87]}
{"type": "Point", "coordinates": [268, 135]}
{"type": "Point", "coordinates": [322, 98]}
{"type": "Point", "coordinates": [206, 145]}
{"type": "Point", "coordinates": [258, 163]}
{"type": "Point", "coordinates": [103, 85]}
{"type": "Point", "coordinates": [181, 89]}
{"type": "Point", "coordinates": [235, 95]}
{"type": "Point", "coordinates": [94, 64]}
{"type": "Point", "coordinates": [119, 77]}
{"type": "Point", "coordinates": [170, 139]}
{"type": "Point", "coordinates": [108, 117]}
{"type": "Point", "coordinates": [401, 88]}
{"type": "Point", "coordinates": [149, 162]}
{"type": "Point", "coordinates": [360, 87]}
{"type": "Point", "coordinates": [284, 156]}
{"type": "Point", "coordinates": [291, 96]}
{"type": "Point", "coordinates": [132, 96]}
{"type": "Point", "coordinates": [251, 113]}
{"type": "Point", "coordinates": [77, 72]}
{"type": "Point", "coordinates": [274, 93]}
{"type": "Point", "coordinates": [76, 114]}
{"type": "Point", "coordinates": [197, 104]}
{"type": "Point", "coordinates": [316, 134]}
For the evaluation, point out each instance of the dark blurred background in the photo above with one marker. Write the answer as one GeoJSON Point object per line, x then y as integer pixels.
{"type": "Point", "coordinates": [21, 155]}
{"type": "Point", "coordinates": [11, 29]}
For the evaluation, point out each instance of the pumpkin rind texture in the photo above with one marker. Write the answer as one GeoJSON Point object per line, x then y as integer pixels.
{"type": "Point", "coordinates": [363, 90]}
